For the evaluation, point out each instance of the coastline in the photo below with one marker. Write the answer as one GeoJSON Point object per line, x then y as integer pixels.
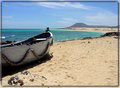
{"type": "Point", "coordinates": [101, 30]}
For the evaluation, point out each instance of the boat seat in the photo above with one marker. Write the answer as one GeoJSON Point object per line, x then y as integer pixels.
{"type": "Point", "coordinates": [41, 39]}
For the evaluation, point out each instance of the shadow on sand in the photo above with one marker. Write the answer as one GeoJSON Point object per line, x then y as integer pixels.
{"type": "Point", "coordinates": [12, 70]}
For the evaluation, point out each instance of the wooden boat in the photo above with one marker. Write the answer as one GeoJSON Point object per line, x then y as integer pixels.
{"type": "Point", "coordinates": [26, 51]}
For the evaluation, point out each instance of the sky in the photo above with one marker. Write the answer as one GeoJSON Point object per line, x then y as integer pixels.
{"type": "Point", "coordinates": [58, 14]}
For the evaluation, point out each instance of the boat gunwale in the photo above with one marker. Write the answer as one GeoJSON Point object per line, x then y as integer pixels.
{"type": "Point", "coordinates": [22, 42]}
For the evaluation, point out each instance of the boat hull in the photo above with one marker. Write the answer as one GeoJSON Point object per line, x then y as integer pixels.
{"type": "Point", "coordinates": [26, 51]}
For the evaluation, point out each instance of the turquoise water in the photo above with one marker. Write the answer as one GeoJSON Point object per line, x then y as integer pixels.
{"type": "Point", "coordinates": [59, 35]}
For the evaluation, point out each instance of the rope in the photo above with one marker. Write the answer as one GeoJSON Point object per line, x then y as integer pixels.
{"type": "Point", "coordinates": [24, 57]}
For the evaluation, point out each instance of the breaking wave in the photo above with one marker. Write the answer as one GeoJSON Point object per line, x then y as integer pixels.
{"type": "Point", "coordinates": [3, 37]}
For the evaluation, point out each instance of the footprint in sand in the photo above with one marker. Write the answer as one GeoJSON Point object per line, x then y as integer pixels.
{"type": "Point", "coordinates": [111, 66]}
{"type": "Point", "coordinates": [112, 72]}
{"type": "Point", "coordinates": [109, 81]}
{"type": "Point", "coordinates": [82, 42]}
{"type": "Point", "coordinates": [112, 69]}
{"type": "Point", "coordinates": [113, 62]}
{"type": "Point", "coordinates": [71, 77]}
{"type": "Point", "coordinates": [106, 61]}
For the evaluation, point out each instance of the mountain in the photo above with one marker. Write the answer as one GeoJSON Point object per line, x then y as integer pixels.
{"type": "Point", "coordinates": [76, 25]}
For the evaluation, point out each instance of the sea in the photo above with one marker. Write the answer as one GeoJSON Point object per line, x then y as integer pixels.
{"type": "Point", "coordinates": [58, 35]}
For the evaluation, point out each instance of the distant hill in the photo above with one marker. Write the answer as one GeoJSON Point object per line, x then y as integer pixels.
{"type": "Point", "coordinates": [89, 26]}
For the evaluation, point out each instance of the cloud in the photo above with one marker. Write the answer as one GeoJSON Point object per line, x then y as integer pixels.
{"type": "Point", "coordinates": [57, 5]}
{"type": "Point", "coordinates": [60, 5]}
{"type": "Point", "coordinates": [7, 17]}
{"type": "Point", "coordinates": [63, 5]}
{"type": "Point", "coordinates": [105, 18]}
{"type": "Point", "coordinates": [20, 24]}
{"type": "Point", "coordinates": [68, 21]}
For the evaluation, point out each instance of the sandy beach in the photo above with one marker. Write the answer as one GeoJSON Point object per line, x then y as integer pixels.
{"type": "Point", "coordinates": [89, 62]}
{"type": "Point", "coordinates": [103, 30]}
